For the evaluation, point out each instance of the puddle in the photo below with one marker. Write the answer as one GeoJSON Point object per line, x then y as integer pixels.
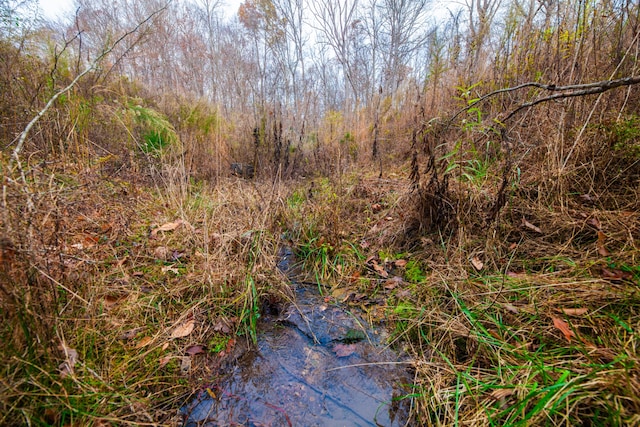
{"type": "Point", "coordinates": [315, 365]}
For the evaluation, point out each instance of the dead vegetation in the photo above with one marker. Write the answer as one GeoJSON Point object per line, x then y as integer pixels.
{"type": "Point", "coordinates": [498, 244]}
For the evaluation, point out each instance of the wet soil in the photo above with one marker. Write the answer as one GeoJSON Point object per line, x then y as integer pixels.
{"type": "Point", "coordinates": [315, 364]}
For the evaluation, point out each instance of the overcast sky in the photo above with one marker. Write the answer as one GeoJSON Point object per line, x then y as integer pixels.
{"type": "Point", "coordinates": [60, 8]}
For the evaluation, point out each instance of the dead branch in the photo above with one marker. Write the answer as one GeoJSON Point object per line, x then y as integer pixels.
{"type": "Point", "coordinates": [571, 91]}
{"type": "Point", "coordinates": [567, 91]}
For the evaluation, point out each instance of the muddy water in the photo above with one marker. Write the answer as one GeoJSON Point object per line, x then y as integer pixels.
{"type": "Point", "coordinates": [315, 365]}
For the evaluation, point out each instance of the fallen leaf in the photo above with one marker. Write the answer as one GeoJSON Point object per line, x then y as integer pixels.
{"type": "Point", "coordinates": [574, 311]}
{"type": "Point", "coordinates": [477, 263]}
{"type": "Point", "coordinates": [170, 268]}
{"type": "Point", "coordinates": [71, 356]}
{"type": "Point", "coordinates": [111, 301]}
{"type": "Point", "coordinates": [144, 342]}
{"type": "Point", "coordinates": [230, 344]}
{"type": "Point", "coordinates": [392, 283]}
{"type": "Point", "coordinates": [376, 207]}
{"type": "Point", "coordinates": [162, 253]}
{"type": "Point", "coordinates": [164, 360]}
{"type": "Point", "coordinates": [185, 365]}
{"type": "Point", "coordinates": [169, 226]}
{"type": "Point", "coordinates": [531, 226]}
{"type": "Point", "coordinates": [184, 330]}
{"type": "Point", "coordinates": [602, 250]}
{"type": "Point", "coordinates": [192, 350]}
{"type": "Point", "coordinates": [165, 346]}
{"type": "Point", "coordinates": [130, 334]}
{"type": "Point", "coordinates": [400, 263]}
{"type": "Point", "coordinates": [511, 308]}
{"type": "Point", "coordinates": [564, 328]}
{"type": "Point", "coordinates": [344, 350]}
{"type": "Point", "coordinates": [380, 270]}
{"type": "Point", "coordinates": [222, 326]}
{"type": "Point", "coordinates": [513, 246]}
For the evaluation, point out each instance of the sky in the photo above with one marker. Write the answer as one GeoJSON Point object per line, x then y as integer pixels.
{"type": "Point", "coordinates": [60, 8]}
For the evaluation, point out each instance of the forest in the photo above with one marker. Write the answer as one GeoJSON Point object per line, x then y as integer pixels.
{"type": "Point", "coordinates": [464, 175]}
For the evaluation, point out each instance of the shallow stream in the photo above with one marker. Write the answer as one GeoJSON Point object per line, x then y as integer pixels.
{"type": "Point", "coordinates": [315, 364]}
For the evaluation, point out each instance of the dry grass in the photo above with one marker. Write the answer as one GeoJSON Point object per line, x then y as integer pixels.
{"type": "Point", "coordinates": [103, 279]}
{"type": "Point", "coordinates": [115, 289]}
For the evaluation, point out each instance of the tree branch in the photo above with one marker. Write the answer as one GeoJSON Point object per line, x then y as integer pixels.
{"type": "Point", "coordinates": [23, 135]}
{"type": "Point", "coordinates": [568, 91]}
{"type": "Point", "coordinates": [571, 91]}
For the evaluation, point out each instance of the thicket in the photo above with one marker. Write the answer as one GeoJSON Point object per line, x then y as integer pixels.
{"type": "Point", "coordinates": [485, 180]}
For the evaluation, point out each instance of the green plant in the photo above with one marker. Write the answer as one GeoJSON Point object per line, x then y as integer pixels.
{"type": "Point", "coordinates": [157, 132]}
{"type": "Point", "coordinates": [414, 272]}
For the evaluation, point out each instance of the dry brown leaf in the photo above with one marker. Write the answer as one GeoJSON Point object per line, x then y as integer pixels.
{"type": "Point", "coordinates": [71, 356]}
{"type": "Point", "coordinates": [510, 307]}
{"type": "Point", "coordinates": [564, 328]}
{"type": "Point", "coordinates": [184, 330]}
{"type": "Point", "coordinates": [380, 269]}
{"type": "Point", "coordinates": [130, 334]}
{"type": "Point", "coordinates": [531, 226]}
{"type": "Point", "coordinates": [169, 268]}
{"type": "Point", "coordinates": [192, 350]}
{"type": "Point", "coordinates": [169, 226]}
{"type": "Point", "coordinates": [400, 263]}
{"type": "Point", "coordinates": [185, 365]}
{"type": "Point", "coordinates": [477, 263]}
{"type": "Point", "coordinates": [602, 250]}
{"type": "Point", "coordinates": [164, 360]}
{"type": "Point", "coordinates": [144, 342]}
{"type": "Point", "coordinates": [165, 346]}
{"type": "Point", "coordinates": [344, 350]}
{"type": "Point", "coordinates": [574, 311]}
